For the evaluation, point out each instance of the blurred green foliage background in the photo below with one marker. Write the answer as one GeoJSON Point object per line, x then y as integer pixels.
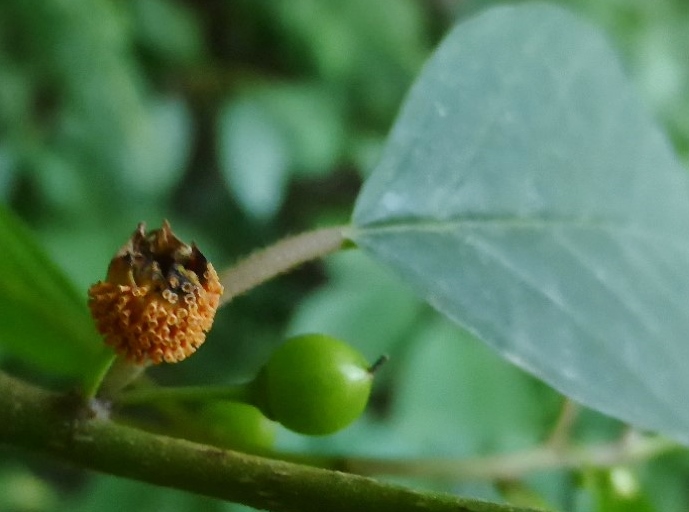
{"type": "Point", "coordinates": [241, 122]}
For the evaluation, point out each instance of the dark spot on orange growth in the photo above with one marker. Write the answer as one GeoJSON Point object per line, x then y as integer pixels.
{"type": "Point", "coordinates": [158, 300]}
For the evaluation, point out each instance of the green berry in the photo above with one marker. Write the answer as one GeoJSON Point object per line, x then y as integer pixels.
{"type": "Point", "coordinates": [313, 384]}
{"type": "Point", "coordinates": [236, 426]}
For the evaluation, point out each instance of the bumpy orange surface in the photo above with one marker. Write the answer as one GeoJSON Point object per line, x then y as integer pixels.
{"type": "Point", "coordinates": [159, 299]}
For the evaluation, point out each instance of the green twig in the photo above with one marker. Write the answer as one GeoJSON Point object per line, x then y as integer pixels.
{"type": "Point", "coordinates": [120, 374]}
{"type": "Point", "coordinates": [61, 426]}
{"type": "Point", "coordinates": [630, 450]}
{"type": "Point", "coordinates": [560, 436]}
{"type": "Point", "coordinates": [239, 393]}
{"type": "Point", "coordinates": [94, 375]}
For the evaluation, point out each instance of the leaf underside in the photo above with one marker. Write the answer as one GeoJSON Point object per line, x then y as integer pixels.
{"type": "Point", "coordinates": [527, 194]}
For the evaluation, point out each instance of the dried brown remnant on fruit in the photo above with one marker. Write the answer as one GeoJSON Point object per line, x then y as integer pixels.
{"type": "Point", "coordinates": [158, 300]}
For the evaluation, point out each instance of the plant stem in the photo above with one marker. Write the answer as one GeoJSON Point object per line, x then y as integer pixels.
{"type": "Point", "coordinates": [94, 376]}
{"type": "Point", "coordinates": [560, 436]}
{"type": "Point", "coordinates": [120, 374]}
{"type": "Point", "coordinates": [61, 426]}
{"type": "Point", "coordinates": [279, 258]}
{"type": "Point", "coordinates": [517, 465]}
{"type": "Point", "coordinates": [378, 363]}
{"type": "Point", "coordinates": [239, 393]}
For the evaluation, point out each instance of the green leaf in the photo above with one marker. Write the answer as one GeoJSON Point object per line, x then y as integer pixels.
{"type": "Point", "coordinates": [269, 134]}
{"type": "Point", "coordinates": [7, 158]}
{"type": "Point", "coordinates": [85, 55]}
{"type": "Point", "coordinates": [25, 491]}
{"type": "Point", "coordinates": [526, 193]}
{"type": "Point", "coordinates": [255, 157]}
{"type": "Point", "coordinates": [311, 120]}
{"type": "Point", "coordinates": [453, 384]}
{"type": "Point", "coordinates": [43, 319]}
{"type": "Point", "coordinates": [617, 490]}
{"type": "Point", "coordinates": [110, 494]}
{"type": "Point", "coordinates": [372, 48]}
{"type": "Point", "coordinates": [166, 150]}
{"type": "Point", "coordinates": [168, 29]}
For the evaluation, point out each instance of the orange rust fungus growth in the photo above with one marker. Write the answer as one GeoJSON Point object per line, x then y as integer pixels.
{"type": "Point", "coordinates": [158, 300]}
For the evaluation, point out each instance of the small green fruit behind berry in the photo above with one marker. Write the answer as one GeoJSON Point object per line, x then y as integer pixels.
{"type": "Point", "coordinates": [313, 384]}
{"type": "Point", "coordinates": [236, 426]}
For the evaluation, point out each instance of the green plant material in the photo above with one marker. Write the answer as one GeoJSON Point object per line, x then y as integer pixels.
{"type": "Point", "coordinates": [167, 148]}
{"type": "Point", "coordinates": [153, 394]}
{"type": "Point", "coordinates": [267, 135]}
{"type": "Point", "coordinates": [6, 170]}
{"type": "Point", "coordinates": [526, 193]}
{"type": "Point", "coordinates": [617, 490]}
{"type": "Point", "coordinates": [279, 258]}
{"type": "Point", "coordinates": [109, 494]}
{"type": "Point", "coordinates": [663, 481]}
{"type": "Point", "coordinates": [653, 39]}
{"type": "Point", "coordinates": [313, 384]}
{"type": "Point", "coordinates": [372, 49]}
{"type": "Point", "coordinates": [518, 493]}
{"type": "Point", "coordinates": [25, 492]}
{"type": "Point", "coordinates": [79, 64]}
{"type": "Point", "coordinates": [78, 120]}
{"type": "Point", "coordinates": [15, 96]}
{"type": "Point", "coordinates": [310, 118]}
{"type": "Point", "coordinates": [55, 425]}
{"type": "Point", "coordinates": [254, 157]}
{"type": "Point", "coordinates": [168, 29]}
{"type": "Point", "coordinates": [44, 320]}
{"type": "Point", "coordinates": [233, 425]}
{"type": "Point", "coordinates": [361, 303]}
{"type": "Point", "coordinates": [520, 464]}
{"type": "Point", "coordinates": [452, 383]}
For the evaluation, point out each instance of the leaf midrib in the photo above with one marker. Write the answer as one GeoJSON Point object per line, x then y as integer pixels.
{"type": "Point", "coordinates": [614, 228]}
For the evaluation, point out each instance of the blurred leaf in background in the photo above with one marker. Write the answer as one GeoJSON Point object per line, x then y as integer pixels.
{"type": "Point", "coordinates": [268, 134]}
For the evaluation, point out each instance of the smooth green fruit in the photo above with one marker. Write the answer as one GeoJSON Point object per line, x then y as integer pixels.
{"type": "Point", "coordinates": [236, 426]}
{"type": "Point", "coordinates": [313, 384]}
